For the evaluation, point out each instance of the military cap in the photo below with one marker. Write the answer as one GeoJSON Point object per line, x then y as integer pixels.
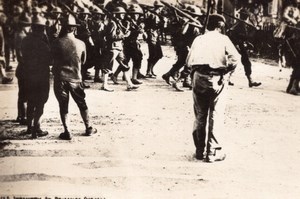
{"type": "Point", "coordinates": [25, 19]}
{"type": "Point", "coordinates": [38, 20]}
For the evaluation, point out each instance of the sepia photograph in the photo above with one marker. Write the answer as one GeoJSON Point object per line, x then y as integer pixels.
{"type": "Point", "coordinates": [149, 99]}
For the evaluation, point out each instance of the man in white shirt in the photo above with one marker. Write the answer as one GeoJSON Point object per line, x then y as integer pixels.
{"type": "Point", "coordinates": [211, 57]}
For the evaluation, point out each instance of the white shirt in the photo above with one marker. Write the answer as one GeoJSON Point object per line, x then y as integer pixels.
{"type": "Point", "coordinates": [213, 49]}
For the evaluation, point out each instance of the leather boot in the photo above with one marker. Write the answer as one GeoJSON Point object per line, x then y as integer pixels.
{"type": "Point", "coordinates": [293, 89]}
{"type": "Point", "coordinates": [252, 83]}
{"type": "Point", "coordinates": [134, 80]}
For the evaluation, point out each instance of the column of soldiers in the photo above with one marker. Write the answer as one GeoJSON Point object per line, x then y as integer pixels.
{"type": "Point", "coordinates": [75, 36]}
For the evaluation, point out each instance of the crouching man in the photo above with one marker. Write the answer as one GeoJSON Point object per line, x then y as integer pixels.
{"type": "Point", "coordinates": [69, 54]}
{"type": "Point", "coordinates": [212, 55]}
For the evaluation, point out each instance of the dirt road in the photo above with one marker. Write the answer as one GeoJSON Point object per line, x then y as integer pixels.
{"type": "Point", "coordinates": [144, 148]}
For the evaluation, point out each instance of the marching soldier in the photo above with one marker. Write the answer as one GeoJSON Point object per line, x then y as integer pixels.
{"type": "Point", "coordinates": [239, 35]}
{"type": "Point", "coordinates": [182, 41]}
{"type": "Point", "coordinates": [98, 35]}
{"type": "Point", "coordinates": [36, 55]}
{"type": "Point", "coordinates": [69, 54]}
{"type": "Point", "coordinates": [291, 17]}
{"type": "Point", "coordinates": [153, 24]}
{"type": "Point", "coordinates": [132, 46]}
{"type": "Point", "coordinates": [53, 24]}
{"type": "Point", "coordinates": [84, 34]}
{"type": "Point", "coordinates": [115, 34]}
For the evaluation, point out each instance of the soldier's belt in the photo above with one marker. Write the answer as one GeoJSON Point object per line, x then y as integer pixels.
{"type": "Point", "coordinates": [207, 70]}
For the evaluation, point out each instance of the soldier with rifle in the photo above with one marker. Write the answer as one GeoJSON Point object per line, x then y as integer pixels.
{"type": "Point", "coordinates": [182, 40]}
{"type": "Point", "coordinates": [53, 23]}
{"type": "Point", "coordinates": [239, 34]}
{"type": "Point", "coordinates": [153, 23]}
{"type": "Point", "coordinates": [97, 26]}
{"type": "Point", "coordinates": [117, 31]}
{"type": "Point", "coordinates": [132, 50]}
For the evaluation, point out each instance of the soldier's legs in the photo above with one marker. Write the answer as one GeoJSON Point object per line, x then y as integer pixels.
{"type": "Point", "coordinates": [137, 62]}
{"type": "Point", "coordinates": [22, 99]}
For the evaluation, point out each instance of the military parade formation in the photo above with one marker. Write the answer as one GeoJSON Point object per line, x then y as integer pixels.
{"type": "Point", "coordinates": [67, 38]}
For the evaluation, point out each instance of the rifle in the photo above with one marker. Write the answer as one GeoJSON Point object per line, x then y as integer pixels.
{"type": "Point", "coordinates": [228, 15]}
{"type": "Point", "coordinates": [149, 9]}
{"type": "Point", "coordinates": [183, 14]}
{"type": "Point", "coordinates": [209, 7]}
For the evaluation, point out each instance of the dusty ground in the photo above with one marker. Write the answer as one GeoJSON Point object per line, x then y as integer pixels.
{"type": "Point", "coordinates": [144, 148]}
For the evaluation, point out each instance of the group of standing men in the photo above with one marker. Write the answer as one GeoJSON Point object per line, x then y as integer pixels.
{"type": "Point", "coordinates": [72, 38]}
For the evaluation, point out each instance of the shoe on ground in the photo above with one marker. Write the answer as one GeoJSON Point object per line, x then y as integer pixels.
{"type": "Point", "coordinates": [199, 156]}
{"type": "Point", "coordinates": [141, 76]}
{"type": "Point", "coordinates": [114, 79]}
{"type": "Point", "coordinates": [217, 156]}
{"type": "Point", "coordinates": [107, 89]}
{"type": "Point", "coordinates": [89, 131]}
{"type": "Point", "coordinates": [166, 78]}
{"type": "Point", "coordinates": [136, 82]}
{"type": "Point", "coordinates": [9, 68]}
{"type": "Point", "coordinates": [148, 75]}
{"type": "Point", "coordinates": [98, 80]}
{"type": "Point", "coordinates": [41, 133]}
{"type": "Point", "coordinates": [175, 85]}
{"type": "Point", "coordinates": [254, 84]}
{"type": "Point", "coordinates": [186, 85]}
{"type": "Point", "coordinates": [133, 87]}
{"type": "Point", "coordinates": [23, 121]}
{"type": "Point", "coordinates": [153, 75]}
{"type": "Point", "coordinates": [7, 80]}
{"type": "Point", "coordinates": [65, 136]}
{"type": "Point", "coordinates": [85, 85]}
{"type": "Point", "coordinates": [293, 92]}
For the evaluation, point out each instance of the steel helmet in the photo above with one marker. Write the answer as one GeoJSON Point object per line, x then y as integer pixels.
{"type": "Point", "coordinates": [194, 10]}
{"type": "Point", "coordinates": [85, 11]}
{"type": "Point", "coordinates": [97, 11]}
{"type": "Point", "coordinates": [36, 10]}
{"type": "Point", "coordinates": [56, 10]}
{"type": "Point", "coordinates": [135, 9]}
{"type": "Point", "coordinates": [158, 4]}
{"type": "Point", "coordinates": [71, 21]}
{"type": "Point", "coordinates": [18, 10]}
{"type": "Point", "coordinates": [119, 10]}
